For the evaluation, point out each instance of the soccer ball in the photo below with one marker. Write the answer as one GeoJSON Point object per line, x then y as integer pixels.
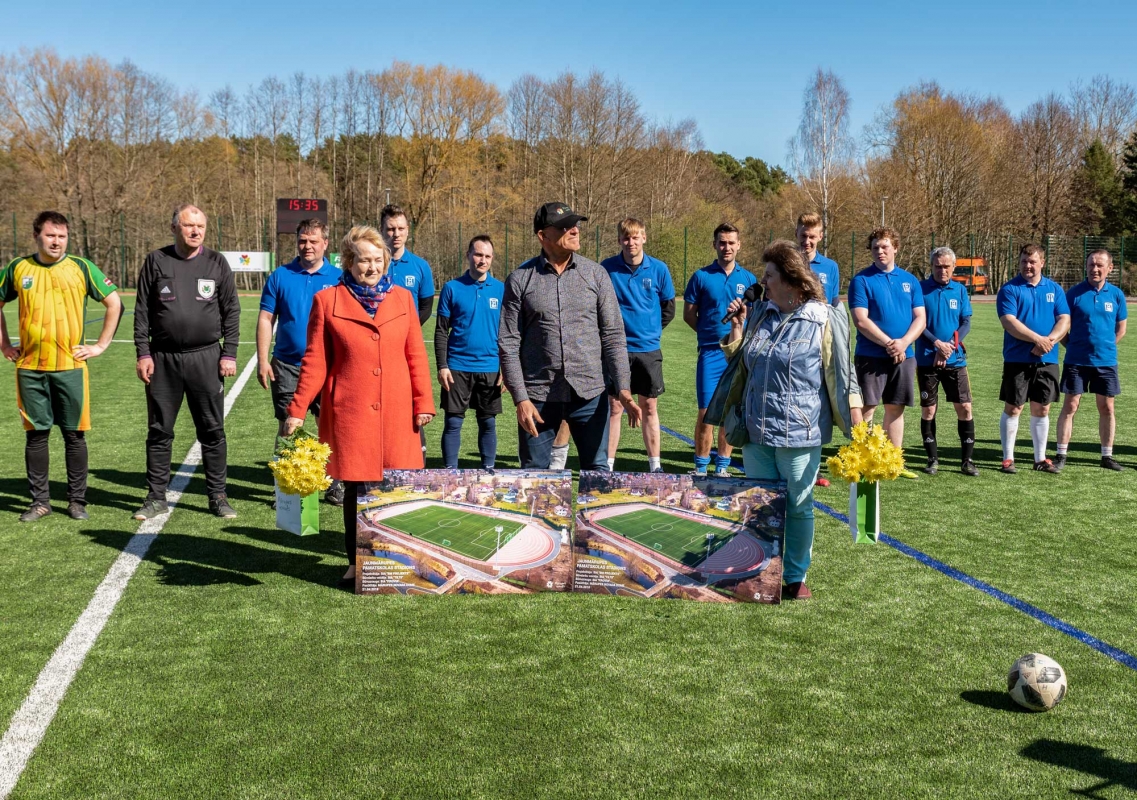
{"type": "Point", "coordinates": [1037, 682]}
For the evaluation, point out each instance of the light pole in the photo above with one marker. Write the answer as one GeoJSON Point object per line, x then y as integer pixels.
{"type": "Point", "coordinates": [882, 210]}
{"type": "Point", "coordinates": [497, 552]}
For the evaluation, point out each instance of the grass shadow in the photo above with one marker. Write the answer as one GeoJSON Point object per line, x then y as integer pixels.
{"type": "Point", "coordinates": [1092, 761]}
{"type": "Point", "coordinates": [996, 701]}
{"type": "Point", "coordinates": [194, 560]}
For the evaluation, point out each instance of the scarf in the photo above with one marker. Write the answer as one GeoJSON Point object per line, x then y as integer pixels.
{"type": "Point", "coordinates": [368, 296]}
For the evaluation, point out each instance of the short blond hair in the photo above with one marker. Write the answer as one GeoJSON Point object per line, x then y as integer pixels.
{"type": "Point", "coordinates": [349, 249]}
{"type": "Point", "coordinates": [809, 220]}
{"type": "Point", "coordinates": [630, 226]}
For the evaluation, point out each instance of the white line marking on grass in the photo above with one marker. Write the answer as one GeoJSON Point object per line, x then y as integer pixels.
{"type": "Point", "coordinates": [30, 722]}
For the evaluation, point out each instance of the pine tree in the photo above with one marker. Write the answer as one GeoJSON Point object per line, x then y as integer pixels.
{"type": "Point", "coordinates": [1097, 192]}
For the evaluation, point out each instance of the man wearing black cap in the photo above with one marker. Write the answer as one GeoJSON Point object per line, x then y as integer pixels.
{"type": "Point", "coordinates": [561, 335]}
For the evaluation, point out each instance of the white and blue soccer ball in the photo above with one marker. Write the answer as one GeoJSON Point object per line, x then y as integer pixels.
{"type": "Point", "coordinates": [1037, 682]}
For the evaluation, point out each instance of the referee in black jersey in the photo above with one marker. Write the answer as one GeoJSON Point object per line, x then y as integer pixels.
{"type": "Point", "coordinates": [186, 326]}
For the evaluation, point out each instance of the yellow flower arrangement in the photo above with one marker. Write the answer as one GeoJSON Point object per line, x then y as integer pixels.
{"type": "Point", "coordinates": [870, 457]}
{"type": "Point", "coordinates": [301, 464]}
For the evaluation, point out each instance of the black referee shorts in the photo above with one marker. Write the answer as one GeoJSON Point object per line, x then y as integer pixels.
{"type": "Point", "coordinates": [480, 391]}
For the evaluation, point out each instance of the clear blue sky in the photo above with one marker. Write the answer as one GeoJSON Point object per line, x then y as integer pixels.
{"type": "Point", "coordinates": [739, 72]}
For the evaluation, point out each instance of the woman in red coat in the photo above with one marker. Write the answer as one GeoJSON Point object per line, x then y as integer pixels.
{"type": "Point", "coordinates": [367, 360]}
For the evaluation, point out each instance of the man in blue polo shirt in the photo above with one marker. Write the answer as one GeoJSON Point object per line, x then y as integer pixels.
{"type": "Point", "coordinates": [647, 304]}
{"type": "Point", "coordinates": [287, 302]}
{"type": "Point", "coordinates": [810, 232]}
{"type": "Point", "coordinates": [941, 359]}
{"type": "Point", "coordinates": [705, 300]}
{"type": "Point", "coordinates": [465, 351]}
{"type": "Point", "coordinates": [888, 311]}
{"type": "Point", "coordinates": [407, 269]}
{"type": "Point", "coordinates": [1035, 316]}
{"type": "Point", "coordinates": [1098, 317]}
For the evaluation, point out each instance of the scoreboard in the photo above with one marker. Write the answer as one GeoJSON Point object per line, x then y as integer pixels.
{"type": "Point", "coordinates": [291, 211]}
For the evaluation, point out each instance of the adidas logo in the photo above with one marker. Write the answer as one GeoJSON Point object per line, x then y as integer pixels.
{"type": "Point", "coordinates": [165, 290]}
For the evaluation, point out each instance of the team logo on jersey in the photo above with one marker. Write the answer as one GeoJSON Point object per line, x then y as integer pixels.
{"type": "Point", "coordinates": [165, 290]}
{"type": "Point", "coordinates": [647, 283]}
{"type": "Point", "coordinates": [206, 288]}
{"type": "Point", "coordinates": [821, 276]}
{"type": "Point", "coordinates": [906, 287]}
{"type": "Point", "coordinates": [1109, 307]}
{"type": "Point", "coordinates": [953, 303]}
{"type": "Point", "coordinates": [739, 288]}
{"type": "Point", "coordinates": [1050, 297]}
{"type": "Point", "coordinates": [493, 302]}
{"type": "Point", "coordinates": [26, 283]}
{"type": "Point", "coordinates": [409, 281]}
{"type": "Point", "coordinates": [107, 282]}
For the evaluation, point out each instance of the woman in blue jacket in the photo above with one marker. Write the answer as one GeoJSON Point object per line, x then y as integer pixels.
{"type": "Point", "coordinates": [789, 380]}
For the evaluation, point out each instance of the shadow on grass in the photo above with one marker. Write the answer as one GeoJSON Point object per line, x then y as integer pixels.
{"type": "Point", "coordinates": [996, 701]}
{"type": "Point", "coordinates": [188, 560]}
{"type": "Point", "coordinates": [1091, 761]}
{"type": "Point", "coordinates": [14, 496]}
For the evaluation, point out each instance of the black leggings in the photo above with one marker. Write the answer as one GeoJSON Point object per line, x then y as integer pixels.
{"type": "Point", "coordinates": [350, 518]}
{"type": "Point", "coordinates": [36, 461]}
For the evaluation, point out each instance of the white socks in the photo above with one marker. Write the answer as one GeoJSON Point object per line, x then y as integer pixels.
{"type": "Point", "coordinates": [560, 457]}
{"type": "Point", "coordinates": [653, 462]}
{"type": "Point", "coordinates": [1008, 432]}
{"type": "Point", "coordinates": [611, 464]}
{"type": "Point", "coordinates": [1039, 431]}
{"type": "Point", "coordinates": [1107, 452]}
{"type": "Point", "coordinates": [1064, 448]}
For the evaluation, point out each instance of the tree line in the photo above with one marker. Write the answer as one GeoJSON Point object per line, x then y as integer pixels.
{"type": "Point", "coordinates": [116, 148]}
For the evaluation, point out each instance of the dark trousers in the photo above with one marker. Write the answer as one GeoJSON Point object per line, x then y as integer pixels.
{"type": "Point", "coordinates": [195, 377]}
{"type": "Point", "coordinates": [36, 460]}
{"type": "Point", "coordinates": [350, 518]}
{"type": "Point", "coordinates": [588, 424]}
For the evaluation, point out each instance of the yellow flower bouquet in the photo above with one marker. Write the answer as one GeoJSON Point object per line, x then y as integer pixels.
{"type": "Point", "coordinates": [301, 465]}
{"type": "Point", "coordinates": [870, 458]}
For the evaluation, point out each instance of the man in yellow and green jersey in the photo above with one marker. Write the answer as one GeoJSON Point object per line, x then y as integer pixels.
{"type": "Point", "coordinates": [52, 288]}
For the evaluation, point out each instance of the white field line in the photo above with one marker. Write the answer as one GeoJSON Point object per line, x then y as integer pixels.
{"type": "Point", "coordinates": [30, 722]}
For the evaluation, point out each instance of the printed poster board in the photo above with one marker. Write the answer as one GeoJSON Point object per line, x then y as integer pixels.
{"type": "Point", "coordinates": [465, 532]}
{"type": "Point", "coordinates": [641, 534]}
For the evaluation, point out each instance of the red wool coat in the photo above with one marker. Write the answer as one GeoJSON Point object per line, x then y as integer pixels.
{"type": "Point", "coordinates": [373, 378]}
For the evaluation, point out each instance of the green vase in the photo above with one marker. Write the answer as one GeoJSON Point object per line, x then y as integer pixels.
{"type": "Point", "coordinates": [864, 511]}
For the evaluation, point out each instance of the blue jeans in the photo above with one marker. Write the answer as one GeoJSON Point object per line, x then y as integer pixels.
{"type": "Point", "coordinates": [797, 466]}
{"type": "Point", "coordinates": [588, 424]}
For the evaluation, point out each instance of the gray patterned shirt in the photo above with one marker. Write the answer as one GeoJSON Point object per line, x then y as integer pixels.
{"type": "Point", "coordinates": [561, 334]}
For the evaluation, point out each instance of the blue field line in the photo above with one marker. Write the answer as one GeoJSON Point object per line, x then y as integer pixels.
{"type": "Point", "coordinates": [1035, 612]}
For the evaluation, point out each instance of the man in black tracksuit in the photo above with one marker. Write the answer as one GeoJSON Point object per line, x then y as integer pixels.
{"type": "Point", "coordinates": [187, 304]}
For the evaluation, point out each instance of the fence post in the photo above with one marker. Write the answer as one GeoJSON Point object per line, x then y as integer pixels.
{"type": "Point", "coordinates": [1046, 271]}
{"type": "Point", "coordinates": [121, 250]}
{"type": "Point", "coordinates": [685, 255]}
{"type": "Point", "coordinates": [1085, 251]}
{"type": "Point", "coordinates": [1121, 272]}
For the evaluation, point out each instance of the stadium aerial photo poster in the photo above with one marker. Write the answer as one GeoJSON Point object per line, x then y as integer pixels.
{"type": "Point", "coordinates": [439, 531]}
{"type": "Point", "coordinates": [640, 534]}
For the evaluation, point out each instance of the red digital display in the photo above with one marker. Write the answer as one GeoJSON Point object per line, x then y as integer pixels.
{"type": "Point", "coordinates": [291, 211]}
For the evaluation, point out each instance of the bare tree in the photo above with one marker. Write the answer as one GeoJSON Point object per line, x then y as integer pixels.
{"type": "Point", "coordinates": [822, 146]}
{"type": "Point", "coordinates": [1104, 109]}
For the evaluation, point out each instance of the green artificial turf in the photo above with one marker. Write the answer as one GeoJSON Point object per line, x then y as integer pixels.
{"type": "Point", "coordinates": [472, 535]}
{"type": "Point", "coordinates": [234, 668]}
{"type": "Point", "coordinates": [679, 538]}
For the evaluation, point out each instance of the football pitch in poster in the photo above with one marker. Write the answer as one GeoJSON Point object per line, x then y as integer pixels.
{"type": "Point", "coordinates": [465, 532]}
{"type": "Point", "coordinates": [677, 536]}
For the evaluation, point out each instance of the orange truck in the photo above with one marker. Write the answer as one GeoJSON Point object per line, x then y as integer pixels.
{"type": "Point", "coordinates": [972, 273]}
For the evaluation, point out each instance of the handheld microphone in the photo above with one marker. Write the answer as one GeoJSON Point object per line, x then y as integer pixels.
{"type": "Point", "coordinates": [752, 295]}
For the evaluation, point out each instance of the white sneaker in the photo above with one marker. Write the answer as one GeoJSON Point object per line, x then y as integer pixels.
{"type": "Point", "coordinates": [722, 472]}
